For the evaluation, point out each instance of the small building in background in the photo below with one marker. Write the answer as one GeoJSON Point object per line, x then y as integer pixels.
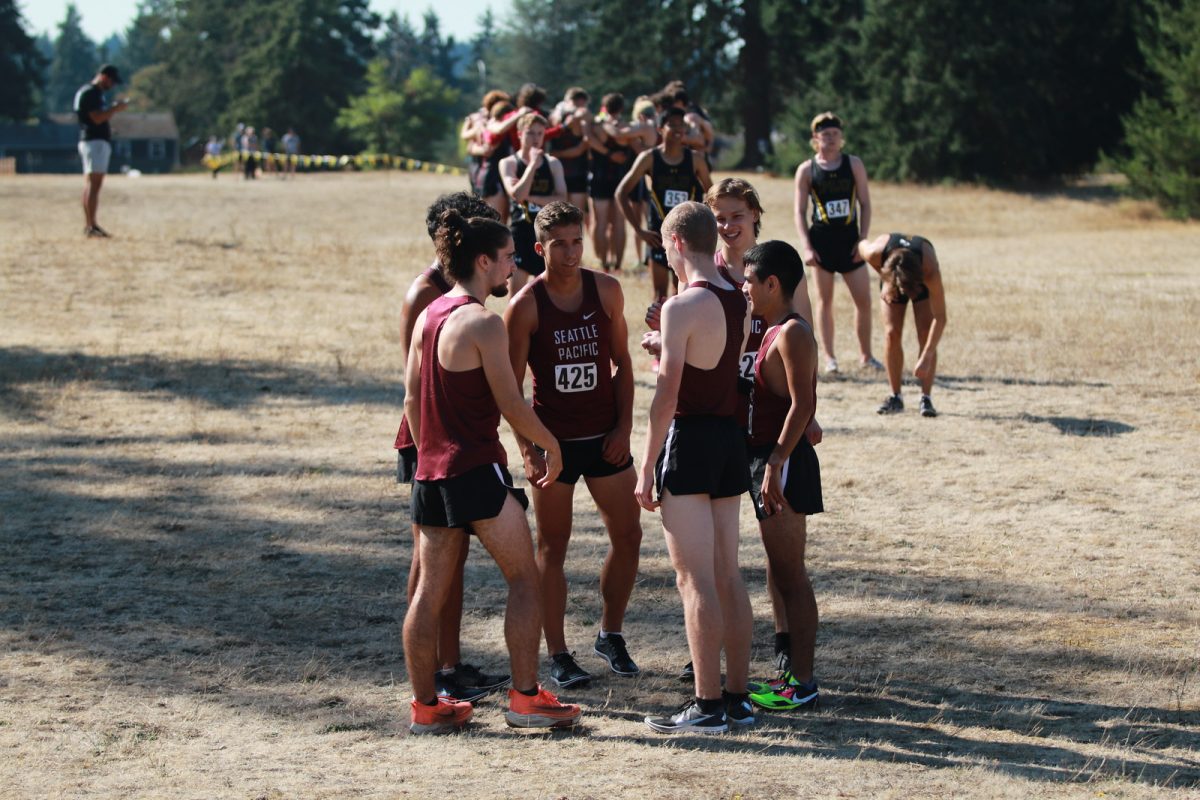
{"type": "Point", "coordinates": [148, 142]}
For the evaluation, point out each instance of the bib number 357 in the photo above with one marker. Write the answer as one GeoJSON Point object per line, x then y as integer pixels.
{"type": "Point", "coordinates": [575, 377]}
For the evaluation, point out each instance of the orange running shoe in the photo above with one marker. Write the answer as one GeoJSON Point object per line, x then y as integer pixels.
{"type": "Point", "coordinates": [447, 716]}
{"type": "Point", "coordinates": [540, 711]}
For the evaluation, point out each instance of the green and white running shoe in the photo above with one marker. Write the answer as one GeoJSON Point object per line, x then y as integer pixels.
{"type": "Point", "coordinates": [785, 694]}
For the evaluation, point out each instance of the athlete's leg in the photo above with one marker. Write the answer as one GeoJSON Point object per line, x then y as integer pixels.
{"type": "Point", "coordinates": [923, 316]}
{"type": "Point", "coordinates": [893, 341]}
{"type": "Point", "coordinates": [622, 518]}
{"type": "Point", "coordinates": [600, 214]}
{"type": "Point", "coordinates": [778, 612]}
{"type": "Point", "coordinates": [552, 509]}
{"type": "Point", "coordinates": [824, 281]}
{"type": "Point", "coordinates": [506, 536]}
{"type": "Point", "coordinates": [450, 621]}
{"type": "Point", "coordinates": [735, 603]}
{"type": "Point", "coordinates": [91, 196]}
{"type": "Point", "coordinates": [859, 284]}
{"type": "Point", "coordinates": [659, 279]}
{"type": "Point", "coordinates": [616, 235]}
{"type": "Point", "coordinates": [688, 525]}
{"type": "Point", "coordinates": [439, 553]}
{"type": "Point", "coordinates": [783, 535]}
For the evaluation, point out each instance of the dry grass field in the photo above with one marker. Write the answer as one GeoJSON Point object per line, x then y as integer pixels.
{"type": "Point", "coordinates": [203, 551]}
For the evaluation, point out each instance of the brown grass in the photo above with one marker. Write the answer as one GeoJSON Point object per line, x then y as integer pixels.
{"type": "Point", "coordinates": [203, 551]}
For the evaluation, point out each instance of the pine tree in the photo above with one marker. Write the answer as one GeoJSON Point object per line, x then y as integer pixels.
{"type": "Point", "coordinates": [146, 35]}
{"type": "Point", "coordinates": [1162, 133]}
{"type": "Point", "coordinates": [75, 62]}
{"type": "Point", "coordinates": [409, 119]}
{"type": "Point", "coordinates": [20, 63]}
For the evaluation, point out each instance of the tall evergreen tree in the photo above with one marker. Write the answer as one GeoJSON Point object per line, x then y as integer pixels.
{"type": "Point", "coordinates": [195, 59]}
{"type": "Point", "coordinates": [1162, 133]}
{"type": "Point", "coordinates": [146, 35]}
{"type": "Point", "coordinates": [409, 119]}
{"type": "Point", "coordinates": [75, 62]}
{"type": "Point", "coordinates": [21, 64]}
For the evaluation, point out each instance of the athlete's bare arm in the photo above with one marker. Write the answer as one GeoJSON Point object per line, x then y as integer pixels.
{"type": "Point", "coordinates": [490, 339]}
{"type": "Point", "coordinates": [641, 168]}
{"type": "Point", "coordinates": [701, 137]}
{"type": "Point", "coordinates": [616, 444]}
{"type": "Point", "coordinates": [502, 126]}
{"type": "Point", "coordinates": [863, 191]}
{"type": "Point", "coordinates": [412, 381]}
{"type": "Point", "coordinates": [676, 333]}
{"type": "Point", "coordinates": [700, 166]}
{"type": "Point", "coordinates": [937, 307]}
{"type": "Point", "coordinates": [795, 351]}
{"type": "Point", "coordinates": [518, 184]}
{"type": "Point", "coordinates": [420, 294]}
{"type": "Point", "coordinates": [871, 250]}
{"type": "Point", "coordinates": [520, 321]}
{"type": "Point", "coordinates": [800, 212]}
{"type": "Point", "coordinates": [560, 182]}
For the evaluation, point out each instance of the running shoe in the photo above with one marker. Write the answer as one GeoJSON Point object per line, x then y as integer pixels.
{"type": "Point", "coordinates": [690, 719]}
{"type": "Point", "coordinates": [472, 677]}
{"type": "Point", "coordinates": [448, 685]}
{"type": "Point", "coordinates": [758, 687]}
{"type": "Point", "coordinates": [539, 711]}
{"type": "Point", "coordinates": [892, 405]}
{"type": "Point", "coordinates": [927, 409]}
{"type": "Point", "coordinates": [792, 694]}
{"type": "Point", "coordinates": [738, 709]}
{"type": "Point", "coordinates": [95, 232]}
{"type": "Point", "coordinates": [688, 673]}
{"type": "Point", "coordinates": [831, 366]}
{"type": "Point", "coordinates": [447, 716]}
{"type": "Point", "coordinates": [783, 661]}
{"type": "Point", "coordinates": [565, 672]}
{"type": "Point", "coordinates": [612, 649]}
{"type": "Point", "coordinates": [871, 363]}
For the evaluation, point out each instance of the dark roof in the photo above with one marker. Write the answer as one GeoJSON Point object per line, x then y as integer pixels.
{"type": "Point", "coordinates": [42, 136]}
{"type": "Point", "coordinates": [134, 125]}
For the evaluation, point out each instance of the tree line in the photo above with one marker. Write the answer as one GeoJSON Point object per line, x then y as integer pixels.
{"type": "Point", "coordinates": [1018, 91]}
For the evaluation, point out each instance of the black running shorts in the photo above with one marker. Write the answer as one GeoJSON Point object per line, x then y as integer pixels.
{"type": "Point", "coordinates": [584, 458]}
{"type": "Point", "coordinates": [526, 257]}
{"type": "Point", "coordinates": [457, 502]}
{"type": "Point", "coordinates": [801, 479]}
{"type": "Point", "coordinates": [703, 455]}
{"type": "Point", "coordinates": [406, 464]}
{"type": "Point", "coordinates": [835, 246]}
{"type": "Point", "coordinates": [577, 184]}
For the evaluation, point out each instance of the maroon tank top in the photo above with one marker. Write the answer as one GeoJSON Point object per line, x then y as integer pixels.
{"type": "Point", "coordinates": [714, 392]}
{"type": "Point", "coordinates": [459, 416]}
{"type": "Point", "coordinates": [769, 409]}
{"type": "Point", "coordinates": [570, 355]}
{"type": "Point", "coordinates": [434, 273]}
{"type": "Point", "coordinates": [746, 365]}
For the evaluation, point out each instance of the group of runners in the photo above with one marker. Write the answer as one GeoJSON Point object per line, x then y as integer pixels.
{"type": "Point", "coordinates": [733, 411]}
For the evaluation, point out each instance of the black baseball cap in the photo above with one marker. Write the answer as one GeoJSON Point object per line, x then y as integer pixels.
{"type": "Point", "coordinates": [110, 72]}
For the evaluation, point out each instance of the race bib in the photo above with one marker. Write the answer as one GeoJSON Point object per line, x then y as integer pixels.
{"type": "Point", "coordinates": [837, 209]}
{"type": "Point", "coordinates": [575, 377]}
{"type": "Point", "coordinates": [673, 197]}
{"type": "Point", "coordinates": [748, 365]}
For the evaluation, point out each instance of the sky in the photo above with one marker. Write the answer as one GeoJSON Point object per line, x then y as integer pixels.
{"type": "Point", "coordinates": [102, 18]}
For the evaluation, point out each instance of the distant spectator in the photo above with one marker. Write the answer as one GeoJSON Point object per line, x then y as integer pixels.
{"type": "Point", "coordinates": [249, 148]}
{"type": "Point", "coordinates": [291, 149]}
{"type": "Point", "coordinates": [268, 150]}
{"type": "Point", "coordinates": [95, 140]}
{"type": "Point", "coordinates": [212, 154]}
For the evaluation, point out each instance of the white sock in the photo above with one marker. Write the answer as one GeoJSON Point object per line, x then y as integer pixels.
{"type": "Point", "coordinates": [605, 634]}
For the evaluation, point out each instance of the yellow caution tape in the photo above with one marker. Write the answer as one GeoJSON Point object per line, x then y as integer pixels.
{"type": "Point", "coordinates": [339, 162]}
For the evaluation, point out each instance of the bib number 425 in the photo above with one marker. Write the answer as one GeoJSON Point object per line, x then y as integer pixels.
{"type": "Point", "coordinates": [575, 377]}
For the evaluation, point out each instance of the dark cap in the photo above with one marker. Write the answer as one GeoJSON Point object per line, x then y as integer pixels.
{"type": "Point", "coordinates": [110, 72]}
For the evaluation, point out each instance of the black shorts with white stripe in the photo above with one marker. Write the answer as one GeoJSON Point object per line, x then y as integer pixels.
{"type": "Point", "coordinates": [801, 479]}
{"type": "Point", "coordinates": [456, 502]}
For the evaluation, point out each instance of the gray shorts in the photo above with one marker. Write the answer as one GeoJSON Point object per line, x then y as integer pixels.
{"type": "Point", "coordinates": [95, 154]}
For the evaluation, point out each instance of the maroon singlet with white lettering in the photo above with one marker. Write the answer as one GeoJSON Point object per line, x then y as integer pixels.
{"type": "Point", "coordinates": [714, 392]}
{"type": "Point", "coordinates": [758, 326]}
{"type": "Point", "coordinates": [434, 273]}
{"type": "Point", "coordinates": [570, 355]}
{"type": "Point", "coordinates": [769, 409]}
{"type": "Point", "coordinates": [459, 415]}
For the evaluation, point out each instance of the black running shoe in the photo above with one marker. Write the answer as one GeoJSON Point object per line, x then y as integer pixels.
{"type": "Point", "coordinates": [688, 673]}
{"type": "Point", "coordinates": [738, 708]}
{"type": "Point", "coordinates": [927, 409]}
{"type": "Point", "coordinates": [612, 649]}
{"type": "Point", "coordinates": [565, 672]}
{"type": "Point", "coordinates": [689, 719]}
{"type": "Point", "coordinates": [447, 686]}
{"type": "Point", "coordinates": [471, 676]}
{"type": "Point", "coordinates": [892, 405]}
{"type": "Point", "coordinates": [95, 232]}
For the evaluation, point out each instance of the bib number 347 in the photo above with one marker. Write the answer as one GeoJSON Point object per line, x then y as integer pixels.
{"type": "Point", "coordinates": [575, 377]}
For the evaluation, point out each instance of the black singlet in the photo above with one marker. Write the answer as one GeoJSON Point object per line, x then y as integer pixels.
{"type": "Point", "coordinates": [671, 184]}
{"type": "Point", "coordinates": [834, 194]}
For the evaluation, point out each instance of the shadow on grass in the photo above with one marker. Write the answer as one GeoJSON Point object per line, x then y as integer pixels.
{"type": "Point", "coordinates": [1068, 426]}
{"type": "Point", "coordinates": [147, 568]}
{"type": "Point", "coordinates": [228, 383]}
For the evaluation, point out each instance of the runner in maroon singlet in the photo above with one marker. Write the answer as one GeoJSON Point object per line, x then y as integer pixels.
{"type": "Point", "coordinates": [785, 473]}
{"type": "Point", "coordinates": [701, 470]}
{"type": "Point", "coordinates": [568, 326]}
{"type": "Point", "coordinates": [455, 679]}
{"type": "Point", "coordinates": [458, 384]}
